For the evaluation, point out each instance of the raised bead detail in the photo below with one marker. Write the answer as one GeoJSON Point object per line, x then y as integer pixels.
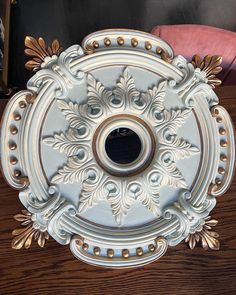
{"type": "Point", "coordinates": [97, 251]}
{"type": "Point", "coordinates": [107, 42]}
{"type": "Point", "coordinates": [148, 45]}
{"type": "Point", "coordinates": [120, 41]}
{"type": "Point", "coordinates": [134, 42]}
{"type": "Point", "coordinates": [222, 131]}
{"type": "Point", "coordinates": [110, 253]}
{"type": "Point", "coordinates": [22, 104]}
{"type": "Point", "coordinates": [95, 44]}
{"type": "Point", "coordinates": [151, 248]}
{"type": "Point", "coordinates": [85, 246]}
{"type": "Point", "coordinates": [139, 251]}
{"type": "Point", "coordinates": [12, 146]}
{"type": "Point", "coordinates": [13, 160]}
{"type": "Point", "coordinates": [125, 253]}
{"type": "Point", "coordinates": [14, 130]}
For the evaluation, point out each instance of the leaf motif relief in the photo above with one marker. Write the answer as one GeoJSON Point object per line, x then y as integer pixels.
{"type": "Point", "coordinates": [97, 93]}
{"type": "Point", "coordinates": [82, 167]}
{"type": "Point", "coordinates": [150, 200]}
{"type": "Point", "coordinates": [120, 202]}
{"type": "Point", "coordinates": [179, 148]}
{"type": "Point", "coordinates": [171, 175]}
{"type": "Point", "coordinates": [173, 120]}
{"type": "Point", "coordinates": [146, 193]}
{"type": "Point", "coordinates": [125, 89]}
{"type": "Point", "coordinates": [68, 143]}
{"type": "Point", "coordinates": [154, 98]}
{"type": "Point", "coordinates": [205, 235]}
{"type": "Point", "coordinates": [72, 171]}
{"type": "Point", "coordinates": [28, 232]}
{"type": "Point", "coordinates": [211, 66]}
{"type": "Point", "coordinates": [38, 51]}
{"type": "Point", "coordinates": [92, 192]}
{"type": "Point", "coordinates": [75, 114]}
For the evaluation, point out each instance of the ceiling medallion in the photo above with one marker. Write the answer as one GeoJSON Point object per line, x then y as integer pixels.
{"type": "Point", "coordinates": [118, 148]}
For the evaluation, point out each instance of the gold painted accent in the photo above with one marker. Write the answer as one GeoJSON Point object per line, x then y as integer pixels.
{"type": "Point", "coordinates": [30, 98]}
{"type": "Point", "coordinates": [110, 253]}
{"type": "Point", "coordinates": [223, 143]}
{"type": "Point", "coordinates": [218, 181]}
{"type": "Point", "coordinates": [165, 56]}
{"type": "Point", "coordinates": [17, 173]}
{"type": "Point", "coordinates": [221, 171]}
{"type": "Point", "coordinates": [17, 117]}
{"type": "Point", "coordinates": [24, 181]}
{"type": "Point", "coordinates": [79, 242]}
{"type": "Point", "coordinates": [215, 111]}
{"type": "Point", "coordinates": [89, 49]}
{"type": "Point", "coordinates": [219, 119]}
{"type": "Point", "coordinates": [97, 251]}
{"type": "Point", "coordinates": [14, 130]}
{"type": "Point", "coordinates": [151, 248]}
{"type": "Point", "coordinates": [125, 253]}
{"type": "Point", "coordinates": [22, 104]}
{"type": "Point", "coordinates": [134, 42]}
{"type": "Point", "coordinates": [139, 251]}
{"type": "Point", "coordinates": [95, 44]}
{"type": "Point", "coordinates": [85, 246]}
{"type": "Point", "coordinates": [38, 50]}
{"type": "Point", "coordinates": [117, 117]}
{"type": "Point", "coordinates": [223, 158]}
{"type": "Point", "coordinates": [222, 131]}
{"type": "Point", "coordinates": [158, 50]}
{"type": "Point", "coordinates": [148, 45]}
{"type": "Point", "coordinates": [211, 66]}
{"type": "Point", "coordinates": [12, 146]}
{"type": "Point", "coordinates": [107, 42]}
{"type": "Point", "coordinates": [205, 235]}
{"type": "Point", "coordinates": [25, 234]}
{"type": "Point", "coordinates": [120, 41]}
{"type": "Point", "coordinates": [13, 160]}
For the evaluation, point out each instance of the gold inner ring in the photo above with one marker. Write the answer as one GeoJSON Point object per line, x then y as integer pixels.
{"type": "Point", "coordinates": [134, 119]}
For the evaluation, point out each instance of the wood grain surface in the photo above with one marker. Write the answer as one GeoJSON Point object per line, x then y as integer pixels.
{"type": "Point", "coordinates": [53, 269]}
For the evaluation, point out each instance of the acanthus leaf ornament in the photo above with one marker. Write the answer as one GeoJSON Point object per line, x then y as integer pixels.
{"type": "Point", "coordinates": [204, 235]}
{"type": "Point", "coordinates": [29, 231]}
{"type": "Point", "coordinates": [210, 65]}
{"type": "Point", "coordinates": [120, 193]}
{"type": "Point", "coordinates": [39, 51]}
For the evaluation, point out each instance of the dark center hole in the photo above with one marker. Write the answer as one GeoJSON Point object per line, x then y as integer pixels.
{"type": "Point", "coordinates": [123, 146]}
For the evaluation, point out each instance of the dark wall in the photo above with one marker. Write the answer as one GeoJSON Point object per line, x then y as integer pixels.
{"type": "Point", "coordinates": [70, 20]}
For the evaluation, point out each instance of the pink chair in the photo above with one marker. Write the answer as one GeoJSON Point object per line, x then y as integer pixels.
{"type": "Point", "coordinates": [188, 40]}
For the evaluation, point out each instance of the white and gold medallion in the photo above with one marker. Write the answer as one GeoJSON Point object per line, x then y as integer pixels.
{"type": "Point", "coordinates": [118, 147]}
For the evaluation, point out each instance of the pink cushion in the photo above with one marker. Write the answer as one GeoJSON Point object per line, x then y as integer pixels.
{"type": "Point", "coordinates": [188, 40]}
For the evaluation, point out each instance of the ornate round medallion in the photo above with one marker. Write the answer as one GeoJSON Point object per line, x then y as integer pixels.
{"type": "Point", "coordinates": [118, 147]}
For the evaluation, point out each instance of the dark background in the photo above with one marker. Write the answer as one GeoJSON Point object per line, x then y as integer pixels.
{"type": "Point", "coordinates": [71, 20]}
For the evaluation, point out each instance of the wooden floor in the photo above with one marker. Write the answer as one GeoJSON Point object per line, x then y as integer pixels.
{"type": "Point", "coordinates": [53, 269]}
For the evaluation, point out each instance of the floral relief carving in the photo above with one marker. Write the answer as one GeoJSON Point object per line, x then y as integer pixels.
{"type": "Point", "coordinates": [98, 184]}
{"type": "Point", "coordinates": [28, 231]}
{"type": "Point", "coordinates": [210, 65]}
{"type": "Point", "coordinates": [39, 51]}
{"type": "Point", "coordinates": [204, 235]}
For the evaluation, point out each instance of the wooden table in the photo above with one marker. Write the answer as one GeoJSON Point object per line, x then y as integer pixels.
{"type": "Point", "coordinates": [53, 270]}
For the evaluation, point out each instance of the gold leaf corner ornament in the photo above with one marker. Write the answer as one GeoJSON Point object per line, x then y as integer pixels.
{"type": "Point", "coordinates": [38, 50]}
{"type": "Point", "coordinates": [205, 235]}
{"type": "Point", "coordinates": [29, 231]}
{"type": "Point", "coordinates": [211, 66]}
